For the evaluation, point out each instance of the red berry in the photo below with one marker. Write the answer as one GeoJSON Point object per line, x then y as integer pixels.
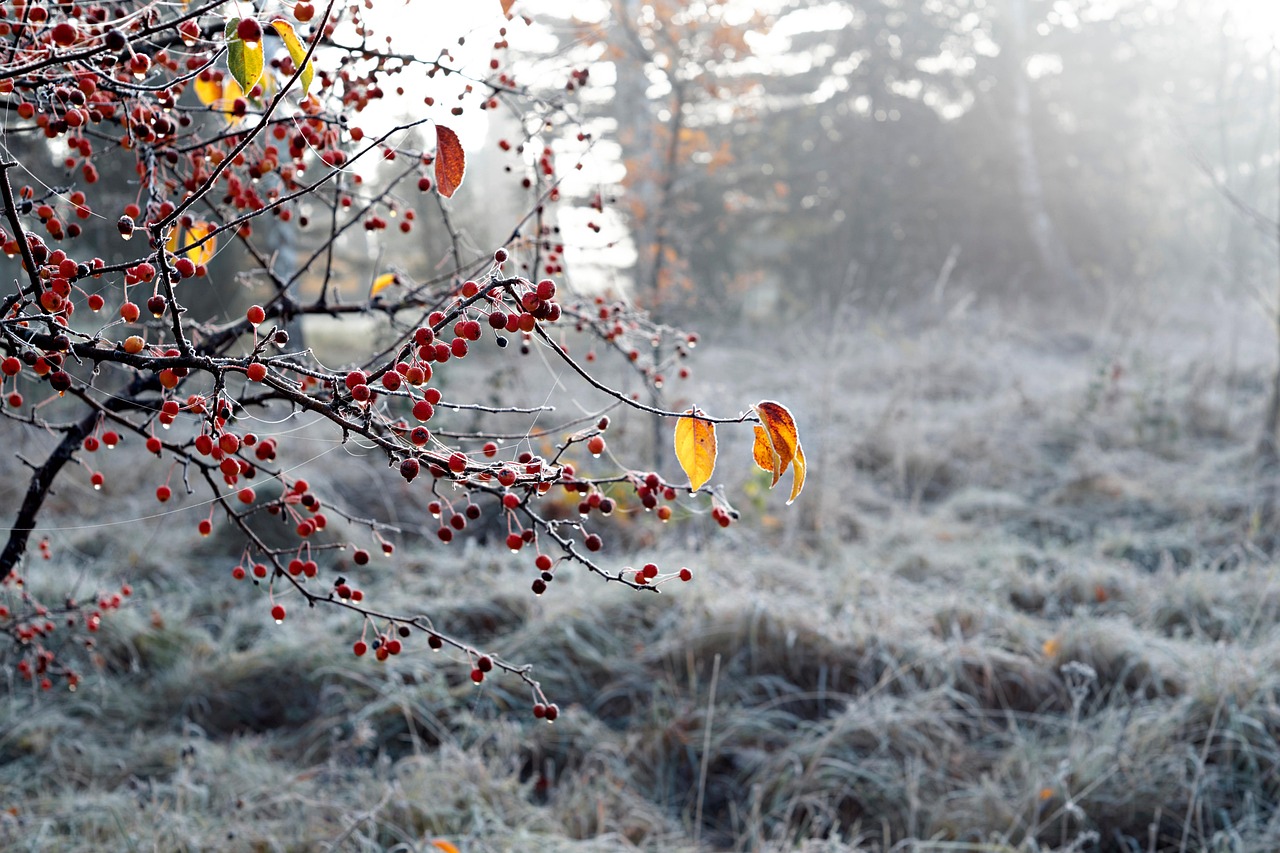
{"type": "Point", "coordinates": [484, 663]}
{"type": "Point", "coordinates": [238, 573]}
{"type": "Point", "coordinates": [477, 675]}
{"type": "Point", "coordinates": [595, 445]}
{"type": "Point", "coordinates": [457, 463]}
{"type": "Point", "coordinates": [256, 372]}
{"type": "Point", "coordinates": [551, 713]}
{"type": "Point", "coordinates": [277, 613]}
{"type": "Point", "coordinates": [360, 648]}
{"type": "Point", "coordinates": [514, 541]}
{"type": "Point", "coordinates": [249, 31]}
{"type": "Point", "coordinates": [686, 575]}
{"type": "Point", "coordinates": [64, 33]}
{"type": "Point", "coordinates": [256, 313]}
{"type": "Point", "coordinates": [163, 493]}
{"type": "Point", "coordinates": [422, 410]}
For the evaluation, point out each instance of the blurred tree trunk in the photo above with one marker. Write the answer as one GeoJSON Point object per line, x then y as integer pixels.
{"type": "Point", "coordinates": [1269, 445]}
{"type": "Point", "coordinates": [1052, 253]}
{"type": "Point", "coordinates": [636, 116]}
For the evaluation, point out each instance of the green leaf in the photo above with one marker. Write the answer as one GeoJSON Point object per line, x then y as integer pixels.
{"type": "Point", "coordinates": [245, 64]}
{"type": "Point", "coordinates": [297, 51]}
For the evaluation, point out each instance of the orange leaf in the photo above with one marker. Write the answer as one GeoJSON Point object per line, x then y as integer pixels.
{"type": "Point", "coordinates": [766, 457]}
{"type": "Point", "coordinates": [696, 449]}
{"type": "Point", "coordinates": [446, 846]}
{"type": "Point", "coordinates": [451, 162]}
{"type": "Point", "coordinates": [782, 430]}
{"type": "Point", "coordinates": [506, 7]}
{"type": "Point", "coordinates": [777, 445]}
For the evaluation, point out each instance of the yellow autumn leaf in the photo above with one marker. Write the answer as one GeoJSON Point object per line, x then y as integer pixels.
{"type": "Point", "coordinates": [382, 282]}
{"type": "Point", "coordinates": [180, 241]}
{"type": "Point", "coordinates": [798, 471]}
{"type": "Point", "coordinates": [696, 449]}
{"type": "Point", "coordinates": [207, 91]}
{"type": "Point", "coordinates": [297, 51]}
{"type": "Point", "coordinates": [226, 103]}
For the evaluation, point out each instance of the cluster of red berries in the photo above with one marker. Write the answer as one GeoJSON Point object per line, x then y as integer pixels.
{"type": "Point", "coordinates": [30, 623]}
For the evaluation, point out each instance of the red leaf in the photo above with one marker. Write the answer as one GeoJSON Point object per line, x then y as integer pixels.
{"type": "Point", "coordinates": [451, 162]}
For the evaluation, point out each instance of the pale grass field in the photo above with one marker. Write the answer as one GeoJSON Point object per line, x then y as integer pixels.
{"type": "Point", "coordinates": [1026, 602]}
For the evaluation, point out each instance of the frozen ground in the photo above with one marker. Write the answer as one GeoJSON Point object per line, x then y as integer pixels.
{"type": "Point", "coordinates": [1027, 602]}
